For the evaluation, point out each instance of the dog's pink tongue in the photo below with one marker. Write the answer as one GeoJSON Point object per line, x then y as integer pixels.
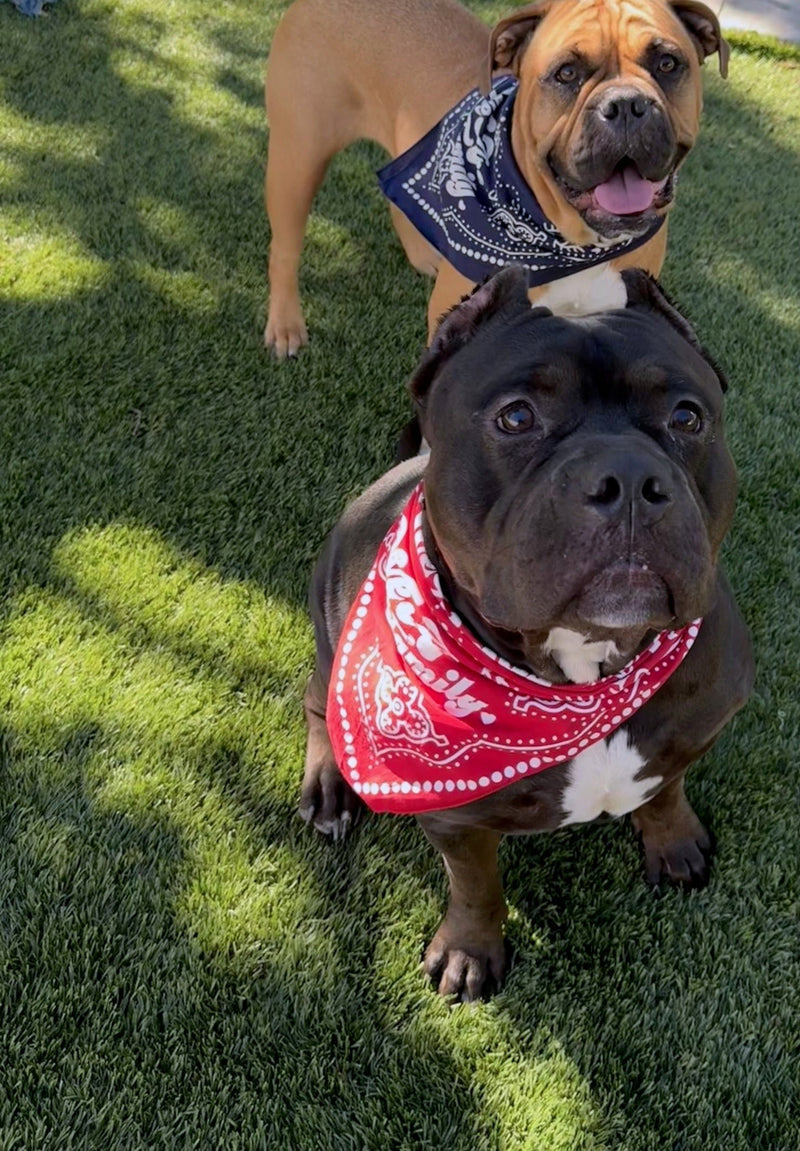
{"type": "Point", "coordinates": [626, 193]}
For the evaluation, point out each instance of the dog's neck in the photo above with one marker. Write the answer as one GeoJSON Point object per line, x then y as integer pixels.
{"type": "Point", "coordinates": [558, 655]}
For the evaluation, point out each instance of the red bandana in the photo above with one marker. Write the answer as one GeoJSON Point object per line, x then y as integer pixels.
{"type": "Point", "coordinates": [422, 716]}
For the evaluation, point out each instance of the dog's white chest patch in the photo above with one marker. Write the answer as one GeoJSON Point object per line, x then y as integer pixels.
{"type": "Point", "coordinates": [578, 658]}
{"type": "Point", "coordinates": [602, 779]}
{"type": "Point", "coordinates": [595, 289]}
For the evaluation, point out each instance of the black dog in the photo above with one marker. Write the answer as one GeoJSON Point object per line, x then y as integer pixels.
{"type": "Point", "coordinates": [577, 492]}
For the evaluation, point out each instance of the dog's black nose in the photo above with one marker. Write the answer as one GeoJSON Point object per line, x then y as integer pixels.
{"type": "Point", "coordinates": [624, 104]}
{"type": "Point", "coordinates": [615, 483]}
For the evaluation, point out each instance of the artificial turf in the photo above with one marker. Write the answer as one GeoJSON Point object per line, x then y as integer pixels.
{"type": "Point", "coordinates": [182, 963]}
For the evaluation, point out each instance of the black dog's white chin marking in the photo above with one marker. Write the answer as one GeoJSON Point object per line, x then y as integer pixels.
{"type": "Point", "coordinates": [579, 659]}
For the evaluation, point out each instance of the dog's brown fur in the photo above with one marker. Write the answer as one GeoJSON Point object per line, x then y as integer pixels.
{"type": "Point", "coordinates": [342, 70]}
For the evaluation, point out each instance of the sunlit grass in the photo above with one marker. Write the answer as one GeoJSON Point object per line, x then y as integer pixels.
{"type": "Point", "coordinates": [141, 583]}
{"type": "Point", "coordinates": [177, 675]}
{"type": "Point", "coordinates": [46, 268]}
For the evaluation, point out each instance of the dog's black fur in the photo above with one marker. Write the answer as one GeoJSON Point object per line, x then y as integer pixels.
{"type": "Point", "coordinates": [578, 479]}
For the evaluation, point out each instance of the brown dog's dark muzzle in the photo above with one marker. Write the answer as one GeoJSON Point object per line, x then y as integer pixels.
{"type": "Point", "coordinates": [625, 124]}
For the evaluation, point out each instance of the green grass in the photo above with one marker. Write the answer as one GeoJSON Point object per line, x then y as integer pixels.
{"type": "Point", "coordinates": [182, 964]}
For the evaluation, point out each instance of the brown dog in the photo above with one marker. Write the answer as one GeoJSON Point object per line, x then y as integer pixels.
{"type": "Point", "coordinates": [608, 91]}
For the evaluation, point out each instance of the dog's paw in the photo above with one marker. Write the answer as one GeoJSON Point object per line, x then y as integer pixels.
{"type": "Point", "coordinates": [329, 803]}
{"type": "Point", "coordinates": [685, 862]}
{"type": "Point", "coordinates": [285, 332]}
{"type": "Point", "coordinates": [465, 970]}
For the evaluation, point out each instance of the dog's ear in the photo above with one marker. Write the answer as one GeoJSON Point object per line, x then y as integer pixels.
{"type": "Point", "coordinates": [510, 38]}
{"type": "Point", "coordinates": [703, 27]}
{"type": "Point", "coordinates": [643, 289]}
{"type": "Point", "coordinates": [507, 291]}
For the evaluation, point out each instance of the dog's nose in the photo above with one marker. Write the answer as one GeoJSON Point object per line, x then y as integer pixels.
{"type": "Point", "coordinates": [624, 104]}
{"type": "Point", "coordinates": [612, 486]}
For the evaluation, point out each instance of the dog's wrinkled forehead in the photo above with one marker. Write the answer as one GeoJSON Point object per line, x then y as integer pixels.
{"type": "Point", "coordinates": [603, 359]}
{"type": "Point", "coordinates": [495, 339]}
{"type": "Point", "coordinates": [607, 33]}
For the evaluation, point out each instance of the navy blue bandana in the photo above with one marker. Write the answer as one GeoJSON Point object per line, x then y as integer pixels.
{"type": "Point", "coordinates": [461, 188]}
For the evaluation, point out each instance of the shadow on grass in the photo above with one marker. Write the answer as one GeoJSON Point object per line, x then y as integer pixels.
{"type": "Point", "coordinates": [149, 386]}
{"type": "Point", "coordinates": [143, 398]}
{"type": "Point", "coordinates": [124, 1033]}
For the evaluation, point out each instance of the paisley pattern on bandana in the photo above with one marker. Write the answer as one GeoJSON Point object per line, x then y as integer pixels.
{"type": "Point", "coordinates": [422, 716]}
{"type": "Point", "coordinates": [461, 188]}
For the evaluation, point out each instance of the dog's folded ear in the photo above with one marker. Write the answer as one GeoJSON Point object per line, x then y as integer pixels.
{"type": "Point", "coordinates": [644, 290]}
{"type": "Point", "coordinates": [703, 27]}
{"type": "Point", "coordinates": [510, 38]}
{"type": "Point", "coordinates": [507, 292]}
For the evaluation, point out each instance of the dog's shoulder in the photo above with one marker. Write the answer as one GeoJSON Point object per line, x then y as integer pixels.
{"type": "Point", "coordinates": [367, 519]}
{"type": "Point", "coordinates": [352, 545]}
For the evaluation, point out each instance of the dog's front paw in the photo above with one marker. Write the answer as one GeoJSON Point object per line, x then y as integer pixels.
{"type": "Point", "coordinates": [685, 861]}
{"type": "Point", "coordinates": [676, 846]}
{"type": "Point", "coordinates": [465, 968]}
{"type": "Point", "coordinates": [329, 803]}
{"type": "Point", "coordinates": [286, 331]}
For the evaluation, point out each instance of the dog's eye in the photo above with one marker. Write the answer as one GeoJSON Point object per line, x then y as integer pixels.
{"type": "Point", "coordinates": [667, 63]}
{"type": "Point", "coordinates": [517, 417]}
{"type": "Point", "coordinates": [686, 418]}
{"type": "Point", "coordinates": [566, 74]}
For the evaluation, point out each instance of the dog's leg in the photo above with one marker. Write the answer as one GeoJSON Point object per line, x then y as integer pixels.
{"type": "Point", "coordinates": [466, 957]}
{"type": "Point", "coordinates": [676, 845]}
{"type": "Point", "coordinates": [295, 169]}
{"type": "Point", "coordinates": [313, 113]}
{"type": "Point", "coordinates": [325, 800]}
{"type": "Point", "coordinates": [421, 255]}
